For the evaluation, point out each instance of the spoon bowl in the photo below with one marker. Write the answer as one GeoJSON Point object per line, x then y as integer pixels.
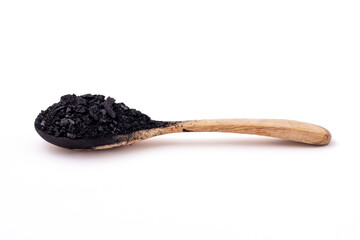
{"type": "Point", "coordinates": [104, 142]}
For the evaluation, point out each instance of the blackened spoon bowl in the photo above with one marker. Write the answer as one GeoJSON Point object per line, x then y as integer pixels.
{"type": "Point", "coordinates": [84, 143]}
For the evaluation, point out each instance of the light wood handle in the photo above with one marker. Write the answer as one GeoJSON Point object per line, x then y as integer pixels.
{"type": "Point", "coordinates": [279, 128]}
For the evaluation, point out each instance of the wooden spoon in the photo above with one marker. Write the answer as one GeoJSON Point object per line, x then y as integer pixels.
{"type": "Point", "coordinates": [284, 129]}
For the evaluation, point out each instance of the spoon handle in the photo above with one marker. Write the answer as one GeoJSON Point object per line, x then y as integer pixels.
{"type": "Point", "coordinates": [279, 128]}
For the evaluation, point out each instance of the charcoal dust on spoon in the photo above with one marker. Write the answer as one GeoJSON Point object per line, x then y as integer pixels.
{"type": "Point", "coordinates": [88, 121]}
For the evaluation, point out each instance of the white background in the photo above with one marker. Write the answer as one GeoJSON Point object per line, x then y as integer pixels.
{"type": "Point", "coordinates": [181, 60]}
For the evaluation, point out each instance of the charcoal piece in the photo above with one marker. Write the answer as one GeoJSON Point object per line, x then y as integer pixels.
{"type": "Point", "coordinates": [64, 122]}
{"type": "Point", "coordinates": [108, 106]}
{"type": "Point", "coordinates": [89, 96]}
{"type": "Point", "coordinates": [110, 100]}
{"type": "Point", "coordinates": [92, 116]}
{"type": "Point", "coordinates": [60, 108]}
{"type": "Point", "coordinates": [99, 97]}
{"type": "Point", "coordinates": [71, 135]}
{"type": "Point", "coordinates": [103, 112]}
{"type": "Point", "coordinates": [86, 119]}
{"type": "Point", "coordinates": [94, 111]}
{"type": "Point", "coordinates": [80, 101]}
{"type": "Point", "coordinates": [80, 109]}
{"type": "Point", "coordinates": [67, 98]}
{"type": "Point", "coordinates": [123, 106]}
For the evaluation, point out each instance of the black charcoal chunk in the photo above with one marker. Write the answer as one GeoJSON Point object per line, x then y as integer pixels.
{"type": "Point", "coordinates": [67, 98]}
{"type": "Point", "coordinates": [64, 122]}
{"type": "Point", "coordinates": [71, 135]}
{"type": "Point", "coordinates": [89, 96]}
{"type": "Point", "coordinates": [80, 101]}
{"type": "Point", "coordinates": [60, 108]}
{"type": "Point", "coordinates": [94, 111]}
{"type": "Point", "coordinates": [80, 109]}
{"type": "Point", "coordinates": [108, 106]}
{"type": "Point", "coordinates": [123, 106]}
{"type": "Point", "coordinates": [103, 112]}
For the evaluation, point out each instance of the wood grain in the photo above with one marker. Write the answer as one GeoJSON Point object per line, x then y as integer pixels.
{"type": "Point", "coordinates": [285, 129]}
{"type": "Point", "coordinates": [279, 128]}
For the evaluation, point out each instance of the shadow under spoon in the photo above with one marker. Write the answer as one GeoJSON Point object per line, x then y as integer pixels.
{"type": "Point", "coordinates": [285, 129]}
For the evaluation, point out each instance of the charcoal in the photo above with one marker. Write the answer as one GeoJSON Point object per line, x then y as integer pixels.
{"type": "Point", "coordinates": [92, 116]}
{"type": "Point", "coordinates": [64, 122]}
{"type": "Point", "coordinates": [108, 106]}
{"type": "Point", "coordinates": [94, 111]}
